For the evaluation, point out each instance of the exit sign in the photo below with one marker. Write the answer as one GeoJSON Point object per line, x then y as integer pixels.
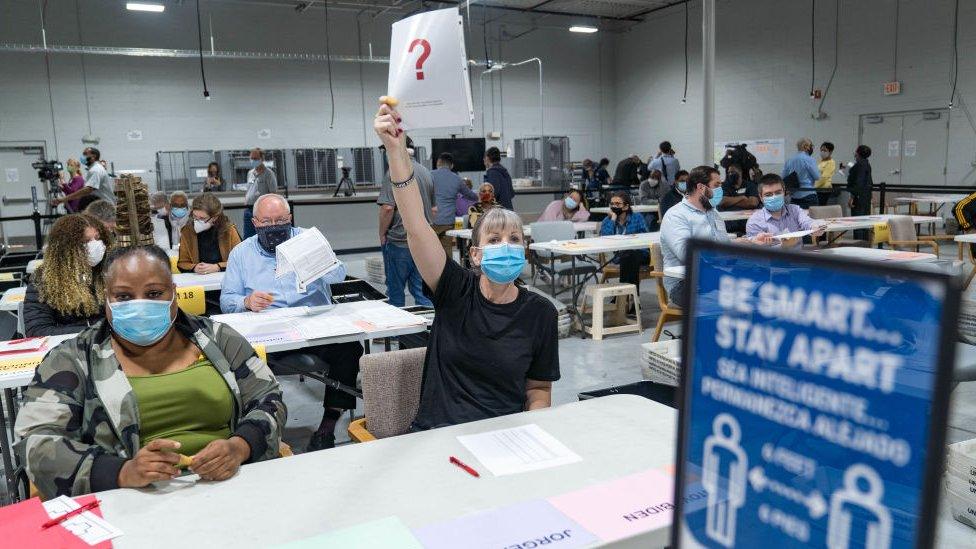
{"type": "Point", "coordinates": [892, 88]}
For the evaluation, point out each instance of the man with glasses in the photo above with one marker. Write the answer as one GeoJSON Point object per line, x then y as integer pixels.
{"type": "Point", "coordinates": [250, 285]}
{"type": "Point", "coordinates": [776, 216]}
{"type": "Point", "coordinates": [695, 217]}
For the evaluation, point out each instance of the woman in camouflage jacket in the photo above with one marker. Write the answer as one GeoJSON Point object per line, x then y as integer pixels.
{"type": "Point", "coordinates": [80, 423]}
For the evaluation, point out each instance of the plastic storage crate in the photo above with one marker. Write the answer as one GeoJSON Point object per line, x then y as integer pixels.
{"type": "Point", "coordinates": [661, 362]}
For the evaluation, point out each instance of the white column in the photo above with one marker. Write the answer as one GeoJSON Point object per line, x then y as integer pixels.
{"type": "Point", "coordinates": [708, 81]}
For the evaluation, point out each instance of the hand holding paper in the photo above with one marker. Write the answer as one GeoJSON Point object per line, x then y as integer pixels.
{"type": "Point", "coordinates": [429, 72]}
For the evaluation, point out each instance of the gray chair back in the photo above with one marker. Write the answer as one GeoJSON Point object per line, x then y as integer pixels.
{"type": "Point", "coordinates": [826, 212]}
{"type": "Point", "coordinates": [391, 390]}
{"type": "Point", "coordinates": [902, 228]}
{"type": "Point", "coordinates": [545, 231]}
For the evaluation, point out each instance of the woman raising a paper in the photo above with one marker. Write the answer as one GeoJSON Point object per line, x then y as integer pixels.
{"type": "Point", "coordinates": [493, 348]}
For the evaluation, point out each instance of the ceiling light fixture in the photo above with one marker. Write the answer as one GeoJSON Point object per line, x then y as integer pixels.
{"type": "Point", "coordinates": [585, 29]}
{"type": "Point", "coordinates": [138, 6]}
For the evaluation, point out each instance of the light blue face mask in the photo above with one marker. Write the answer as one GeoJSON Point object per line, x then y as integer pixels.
{"type": "Point", "coordinates": [141, 321]}
{"type": "Point", "coordinates": [570, 203]}
{"type": "Point", "coordinates": [502, 263]}
{"type": "Point", "coordinates": [717, 195]}
{"type": "Point", "coordinates": [682, 186]}
{"type": "Point", "coordinates": [179, 213]}
{"type": "Point", "coordinates": [774, 203]}
{"type": "Point", "coordinates": [253, 163]}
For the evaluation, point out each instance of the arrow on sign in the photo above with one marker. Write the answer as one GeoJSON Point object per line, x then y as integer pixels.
{"type": "Point", "coordinates": [814, 502]}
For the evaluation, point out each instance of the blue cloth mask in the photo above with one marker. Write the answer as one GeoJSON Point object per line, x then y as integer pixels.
{"type": "Point", "coordinates": [717, 195]}
{"type": "Point", "coordinates": [502, 263]}
{"type": "Point", "coordinates": [570, 203]}
{"type": "Point", "coordinates": [179, 213]}
{"type": "Point", "coordinates": [141, 321]}
{"type": "Point", "coordinates": [774, 203]}
{"type": "Point", "coordinates": [682, 186]}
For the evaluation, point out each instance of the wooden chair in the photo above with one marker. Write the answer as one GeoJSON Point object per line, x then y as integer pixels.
{"type": "Point", "coordinates": [669, 313]}
{"type": "Point", "coordinates": [391, 393]}
{"type": "Point", "coordinates": [905, 235]}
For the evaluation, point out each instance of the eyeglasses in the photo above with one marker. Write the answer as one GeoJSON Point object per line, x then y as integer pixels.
{"type": "Point", "coordinates": [276, 221]}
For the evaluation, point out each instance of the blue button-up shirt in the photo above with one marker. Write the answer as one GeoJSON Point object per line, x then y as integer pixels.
{"type": "Point", "coordinates": [794, 218]}
{"type": "Point", "coordinates": [682, 223]}
{"type": "Point", "coordinates": [250, 268]}
{"type": "Point", "coordinates": [668, 166]}
{"type": "Point", "coordinates": [806, 171]}
{"type": "Point", "coordinates": [634, 225]}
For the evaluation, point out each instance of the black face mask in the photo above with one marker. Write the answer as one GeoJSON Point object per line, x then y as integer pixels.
{"type": "Point", "coordinates": [617, 210]}
{"type": "Point", "coordinates": [269, 237]}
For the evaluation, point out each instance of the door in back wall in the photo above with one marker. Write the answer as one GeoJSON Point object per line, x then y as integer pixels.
{"type": "Point", "coordinates": [907, 148]}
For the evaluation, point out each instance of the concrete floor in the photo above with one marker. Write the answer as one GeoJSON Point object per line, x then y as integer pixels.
{"type": "Point", "coordinates": [586, 365]}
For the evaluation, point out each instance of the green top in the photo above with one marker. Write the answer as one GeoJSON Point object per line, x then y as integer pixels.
{"type": "Point", "coordinates": [193, 406]}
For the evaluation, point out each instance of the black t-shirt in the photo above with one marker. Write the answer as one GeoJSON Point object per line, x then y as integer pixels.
{"type": "Point", "coordinates": [480, 353]}
{"type": "Point", "coordinates": [208, 247]}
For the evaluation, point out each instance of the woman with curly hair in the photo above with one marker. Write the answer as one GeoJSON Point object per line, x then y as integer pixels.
{"type": "Point", "coordinates": [66, 294]}
{"type": "Point", "coordinates": [207, 241]}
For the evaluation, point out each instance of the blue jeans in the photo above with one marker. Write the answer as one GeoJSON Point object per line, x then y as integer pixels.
{"type": "Point", "coordinates": [249, 223]}
{"type": "Point", "coordinates": [401, 271]}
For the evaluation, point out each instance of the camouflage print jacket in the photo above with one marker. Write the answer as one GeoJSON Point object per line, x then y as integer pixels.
{"type": "Point", "coordinates": [80, 420]}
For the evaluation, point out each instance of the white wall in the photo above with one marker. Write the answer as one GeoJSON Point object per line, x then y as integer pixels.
{"type": "Point", "coordinates": [163, 97]}
{"type": "Point", "coordinates": [763, 74]}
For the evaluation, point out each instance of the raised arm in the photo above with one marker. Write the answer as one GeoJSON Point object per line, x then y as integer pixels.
{"type": "Point", "coordinates": [424, 245]}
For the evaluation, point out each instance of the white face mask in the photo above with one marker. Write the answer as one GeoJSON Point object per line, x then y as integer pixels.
{"type": "Point", "coordinates": [200, 226]}
{"type": "Point", "coordinates": [95, 250]}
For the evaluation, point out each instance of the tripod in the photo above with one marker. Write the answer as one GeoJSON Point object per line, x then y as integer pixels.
{"type": "Point", "coordinates": [351, 191]}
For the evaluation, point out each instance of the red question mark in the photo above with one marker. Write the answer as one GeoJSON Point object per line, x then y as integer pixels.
{"type": "Point", "coordinates": [425, 45]}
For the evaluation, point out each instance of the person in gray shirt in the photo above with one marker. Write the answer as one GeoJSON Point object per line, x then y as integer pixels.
{"type": "Point", "coordinates": [399, 267]}
{"type": "Point", "coordinates": [98, 184]}
{"type": "Point", "coordinates": [260, 180]}
{"type": "Point", "coordinates": [447, 186]}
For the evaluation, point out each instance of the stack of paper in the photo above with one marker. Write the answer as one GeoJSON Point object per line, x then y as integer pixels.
{"type": "Point", "coordinates": [26, 345]}
{"type": "Point", "coordinates": [309, 255]}
{"type": "Point", "coordinates": [518, 450]}
{"type": "Point", "coordinates": [375, 271]}
{"type": "Point", "coordinates": [269, 326]}
{"type": "Point", "coordinates": [372, 315]}
{"type": "Point", "coordinates": [960, 481]}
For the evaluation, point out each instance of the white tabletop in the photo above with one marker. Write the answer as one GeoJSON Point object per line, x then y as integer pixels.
{"type": "Point", "coordinates": [736, 215]}
{"type": "Point", "coordinates": [578, 226]}
{"type": "Point", "coordinates": [875, 254]}
{"type": "Point", "coordinates": [675, 272]}
{"type": "Point", "coordinates": [361, 311]}
{"type": "Point", "coordinates": [971, 238]}
{"type": "Point", "coordinates": [932, 198]}
{"type": "Point", "coordinates": [406, 476]}
{"type": "Point", "coordinates": [599, 244]}
{"type": "Point", "coordinates": [13, 296]}
{"type": "Point", "coordinates": [869, 221]}
{"type": "Point", "coordinates": [637, 208]}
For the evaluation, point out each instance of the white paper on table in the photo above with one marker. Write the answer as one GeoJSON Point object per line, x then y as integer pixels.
{"type": "Point", "coordinates": [268, 326]}
{"type": "Point", "coordinates": [382, 315]}
{"type": "Point", "coordinates": [517, 450]}
{"type": "Point", "coordinates": [429, 71]}
{"type": "Point", "coordinates": [89, 527]}
{"type": "Point", "coordinates": [308, 254]}
{"type": "Point", "coordinates": [795, 234]}
{"type": "Point", "coordinates": [322, 326]}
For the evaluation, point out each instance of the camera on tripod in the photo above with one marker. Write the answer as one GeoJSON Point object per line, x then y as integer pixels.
{"type": "Point", "coordinates": [48, 170]}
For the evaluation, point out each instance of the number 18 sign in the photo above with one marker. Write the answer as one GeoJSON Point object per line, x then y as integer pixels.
{"type": "Point", "coordinates": [815, 400]}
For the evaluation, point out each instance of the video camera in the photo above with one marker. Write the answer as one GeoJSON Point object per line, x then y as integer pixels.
{"type": "Point", "coordinates": [48, 170]}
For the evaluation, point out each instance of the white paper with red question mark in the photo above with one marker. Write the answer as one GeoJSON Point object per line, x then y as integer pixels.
{"type": "Point", "coordinates": [429, 71]}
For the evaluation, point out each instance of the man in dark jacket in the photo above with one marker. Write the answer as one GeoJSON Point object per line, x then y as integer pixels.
{"type": "Point", "coordinates": [498, 176]}
{"type": "Point", "coordinates": [859, 183]}
{"type": "Point", "coordinates": [628, 171]}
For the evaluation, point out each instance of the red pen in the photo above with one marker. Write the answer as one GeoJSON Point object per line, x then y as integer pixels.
{"type": "Point", "coordinates": [466, 468]}
{"type": "Point", "coordinates": [74, 512]}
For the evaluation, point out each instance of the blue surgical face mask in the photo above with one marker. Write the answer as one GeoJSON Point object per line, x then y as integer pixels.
{"type": "Point", "coordinates": [253, 163]}
{"type": "Point", "coordinates": [774, 203]}
{"type": "Point", "coordinates": [502, 263]}
{"type": "Point", "coordinates": [179, 213]}
{"type": "Point", "coordinates": [682, 186]}
{"type": "Point", "coordinates": [570, 203]}
{"type": "Point", "coordinates": [141, 321]}
{"type": "Point", "coordinates": [717, 195]}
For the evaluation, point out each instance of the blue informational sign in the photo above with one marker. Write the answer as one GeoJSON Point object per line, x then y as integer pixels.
{"type": "Point", "coordinates": [815, 401]}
